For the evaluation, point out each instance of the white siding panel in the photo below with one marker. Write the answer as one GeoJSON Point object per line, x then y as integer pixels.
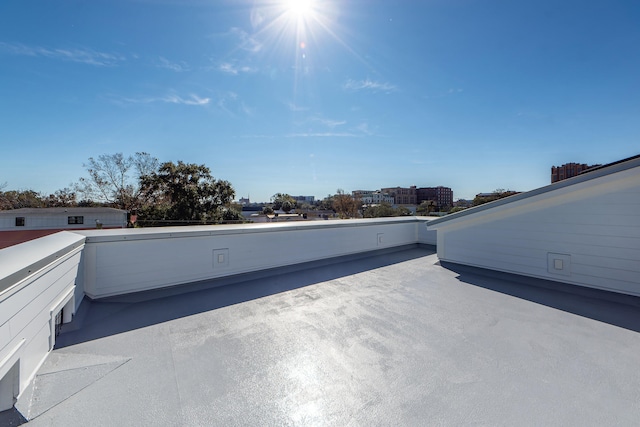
{"type": "Point", "coordinates": [36, 278]}
{"type": "Point", "coordinates": [596, 224]}
{"type": "Point", "coordinates": [610, 283]}
{"type": "Point", "coordinates": [42, 290]}
{"type": "Point", "coordinates": [499, 257]}
{"type": "Point", "coordinates": [42, 301]}
{"type": "Point", "coordinates": [630, 265]}
{"type": "Point", "coordinates": [35, 351]}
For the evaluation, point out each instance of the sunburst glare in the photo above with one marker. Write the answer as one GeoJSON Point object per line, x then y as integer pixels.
{"type": "Point", "coordinates": [289, 26]}
{"type": "Point", "coordinates": [300, 35]}
{"type": "Point", "coordinates": [299, 8]}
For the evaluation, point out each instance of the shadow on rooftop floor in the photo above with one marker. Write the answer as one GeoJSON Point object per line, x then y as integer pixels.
{"type": "Point", "coordinates": [604, 306]}
{"type": "Point", "coordinates": [100, 318]}
{"type": "Point", "coordinates": [12, 418]}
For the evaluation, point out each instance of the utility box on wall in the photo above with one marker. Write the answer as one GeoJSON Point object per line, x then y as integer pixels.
{"type": "Point", "coordinates": [220, 258]}
{"type": "Point", "coordinates": [559, 264]}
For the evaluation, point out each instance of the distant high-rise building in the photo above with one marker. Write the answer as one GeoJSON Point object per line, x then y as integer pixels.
{"type": "Point", "coordinates": [568, 170]}
{"type": "Point", "coordinates": [443, 196]}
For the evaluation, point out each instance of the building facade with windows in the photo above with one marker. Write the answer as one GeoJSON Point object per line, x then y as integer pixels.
{"type": "Point", "coordinates": [21, 225]}
{"type": "Point", "coordinates": [372, 197]}
{"type": "Point", "coordinates": [403, 195]}
{"type": "Point", "coordinates": [568, 170]}
{"type": "Point", "coordinates": [443, 196]}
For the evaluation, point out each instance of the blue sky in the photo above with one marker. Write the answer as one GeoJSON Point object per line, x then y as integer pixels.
{"type": "Point", "coordinates": [304, 99]}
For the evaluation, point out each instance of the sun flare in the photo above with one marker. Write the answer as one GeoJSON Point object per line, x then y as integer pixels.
{"type": "Point", "coordinates": [299, 8]}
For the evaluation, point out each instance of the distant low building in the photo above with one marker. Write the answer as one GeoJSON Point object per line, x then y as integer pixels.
{"type": "Point", "coordinates": [407, 196]}
{"type": "Point", "coordinates": [21, 225]}
{"type": "Point", "coordinates": [373, 197]}
{"type": "Point", "coordinates": [482, 198]}
{"type": "Point", "coordinates": [304, 199]}
{"type": "Point", "coordinates": [463, 203]}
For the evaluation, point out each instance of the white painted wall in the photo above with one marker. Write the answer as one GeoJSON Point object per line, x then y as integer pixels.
{"type": "Point", "coordinates": [426, 236]}
{"type": "Point", "coordinates": [133, 260]}
{"type": "Point", "coordinates": [37, 280]}
{"type": "Point", "coordinates": [587, 234]}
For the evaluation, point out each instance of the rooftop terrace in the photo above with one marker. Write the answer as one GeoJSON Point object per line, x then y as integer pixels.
{"type": "Point", "coordinates": [386, 339]}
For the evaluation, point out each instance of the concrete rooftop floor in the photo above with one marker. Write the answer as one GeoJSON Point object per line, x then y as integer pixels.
{"type": "Point", "coordinates": [394, 339]}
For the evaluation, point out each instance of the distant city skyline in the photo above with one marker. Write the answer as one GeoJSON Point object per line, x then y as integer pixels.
{"type": "Point", "coordinates": [308, 96]}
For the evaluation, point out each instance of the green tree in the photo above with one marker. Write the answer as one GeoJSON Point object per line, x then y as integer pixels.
{"type": "Point", "coordinates": [426, 207]}
{"type": "Point", "coordinates": [345, 205]}
{"type": "Point", "coordinates": [500, 193]}
{"type": "Point", "coordinates": [62, 198]}
{"type": "Point", "coordinates": [326, 203]}
{"type": "Point", "coordinates": [402, 211]}
{"type": "Point", "coordinates": [187, 191]}
{"type": "Point", "coordinates": [231, 214]}
{"type": "Point", "coordinates": [18, 199]}
{"type": "Point", "coordinates": [381, 210]}
{"type": "Point", "coordinates": [114, 179]}
{"type": "Point", "coordinates": [283, 201]}
{"type": "Point", "coordinates": [456, 209]}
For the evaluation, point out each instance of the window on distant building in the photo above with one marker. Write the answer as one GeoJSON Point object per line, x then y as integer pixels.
{"type": "Point", "coordinates": [75, 220]}
{"type": "Point", "coordinates": [19, 221]}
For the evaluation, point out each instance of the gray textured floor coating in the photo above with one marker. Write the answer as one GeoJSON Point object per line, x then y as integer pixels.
{"type": "Point", "coordinates": [387, 340]}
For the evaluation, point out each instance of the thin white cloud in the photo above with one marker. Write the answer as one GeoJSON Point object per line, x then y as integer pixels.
{"type": "Point", "coordinates": [246, 109]}
{"type": "Point", "coordinates": [230, 103]}
{"type": "Point", "coordinates": [81, 55]}
{"type": "Point", "coordinates": [173, 66]}
{"type": "Point", "coordinates": [192, 99]}
{"type": "Point", "coordinates": [257, 17]}
{"type": "Point", "coordinates": [364, 128]}
{"type": "Point", "coordinates": [368, 84]}
{"type": "Point", "coordinates": [229, 68]}
{"type": "Point", "coordinates": [247, 42]}
{"type": "Point", "coordinates": [322, 135]}
{"type": "Point", "coordinates": [331, 123]}
{"type": "Point", "coordinates": [294, 107]}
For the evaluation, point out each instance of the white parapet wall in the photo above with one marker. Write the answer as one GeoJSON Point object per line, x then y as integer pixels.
{"type": "Point", "coordinates": [37, 285]}
{"type": "Point", "coordinates": [132, 260]}
{"type": "Point", "coordinates": [43, 281]}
